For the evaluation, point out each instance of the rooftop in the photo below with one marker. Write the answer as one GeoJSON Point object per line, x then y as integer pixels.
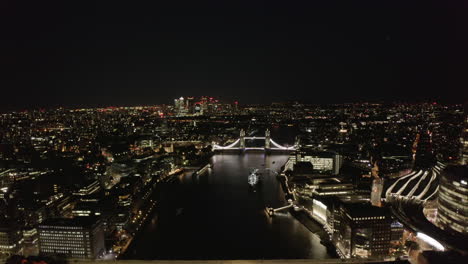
{"type": "Point", "coordinates": [86, 222]}
{"type": "Point", "coordinates": [365, 210]}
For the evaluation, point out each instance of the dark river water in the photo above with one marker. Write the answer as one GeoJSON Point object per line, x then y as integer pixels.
{"type": "Point", "coordinates": [216, 216]}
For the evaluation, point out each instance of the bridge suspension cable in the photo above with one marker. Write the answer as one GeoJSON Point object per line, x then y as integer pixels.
{"type": "Point", "coordinates": [279, 146]}
{"type": "Point", "coordinates": [228, 146]}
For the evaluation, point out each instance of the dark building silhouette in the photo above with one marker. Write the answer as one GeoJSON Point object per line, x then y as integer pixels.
{"type": "Point", "coordinates": [10, 238]}
{"type": "Point", "coordinates": [464, 139]}
{"type": "Point", "coordinates": [422, 148]}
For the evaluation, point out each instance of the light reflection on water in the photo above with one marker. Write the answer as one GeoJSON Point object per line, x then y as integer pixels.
{"type": "Point", "coordinates": [216, 216]}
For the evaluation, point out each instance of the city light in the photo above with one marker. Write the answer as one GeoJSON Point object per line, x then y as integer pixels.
{"type": "Point", "coordinates": [430, 241]}
{"type": "Point", "coordinates": [111, 174]}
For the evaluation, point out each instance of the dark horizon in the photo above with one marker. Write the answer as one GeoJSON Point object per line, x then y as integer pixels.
{"type": "Point", "coordinates": [62, 54]}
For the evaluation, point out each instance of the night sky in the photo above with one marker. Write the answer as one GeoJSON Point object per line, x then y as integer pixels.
{"type": "Point", "coordinates": [73, 54]}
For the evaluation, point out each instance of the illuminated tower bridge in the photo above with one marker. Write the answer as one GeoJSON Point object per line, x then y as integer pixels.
{"type": "Point", "coordinates": [270, 144]}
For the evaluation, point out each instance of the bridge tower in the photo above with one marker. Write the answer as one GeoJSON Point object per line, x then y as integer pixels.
{"type": "Point", "coordinates": [267, 138]}
{"type": "Point", "coordinates": [297, 142]}
{"type": "Point", "coordinates": [242, 139]}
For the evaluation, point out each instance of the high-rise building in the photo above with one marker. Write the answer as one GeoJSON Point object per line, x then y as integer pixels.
{"type": "Point", "coordinates": [80, 237]}
{"type": "Point", "coordinates": [204, 105]}
{"type": "Point", "coordinates": [181, 106]}
{"type": "Point", "coordinates": [189, 104]}
{"type": "Point", "coordinates": [176, 104]}
{"type": "Point", "coordinates": [452, 211]}
{"type": "Point", "coordinates": [197, 110]}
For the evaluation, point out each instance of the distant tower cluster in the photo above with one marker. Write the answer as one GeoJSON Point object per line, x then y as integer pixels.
{"type": "Point", "coordinates": [202, 106]}
{"type": "Point", "coordinates": [181, 106]}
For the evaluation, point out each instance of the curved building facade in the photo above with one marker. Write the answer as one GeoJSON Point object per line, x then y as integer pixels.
{"type": "Point", "coordinates": [452, 213]}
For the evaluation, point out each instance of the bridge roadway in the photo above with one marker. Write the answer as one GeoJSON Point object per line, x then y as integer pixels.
{"type": "Point", "coordinates": [239, 144]}
{"type": "Point", "coordinates": [257, 261]}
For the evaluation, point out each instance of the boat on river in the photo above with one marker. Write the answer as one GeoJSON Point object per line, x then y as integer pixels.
{"type": "Point", "coordinates": [253, 179]}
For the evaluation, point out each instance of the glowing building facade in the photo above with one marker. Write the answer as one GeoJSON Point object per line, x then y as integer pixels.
{"type": "Point", "coordinates": [10, 240]}
{"type": "Point", "coordinates": [80, 237]}
{"type": "Point", "coordinates": [452, 212]}
{"type": "Point", "coordinates": [363, 231]}
{"type": "Point", "coordinates": [322, 161]}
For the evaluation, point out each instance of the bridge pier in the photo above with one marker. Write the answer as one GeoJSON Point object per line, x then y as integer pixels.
{"type": "Point", "coordinates": [242, 139]}
{"type": "Point", "coordinates": [267, 139]}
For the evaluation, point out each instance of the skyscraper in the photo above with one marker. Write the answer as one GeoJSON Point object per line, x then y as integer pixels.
{"type": "Point", "coordinates": [452, 211]}
{"type": "Point", "coordinates": [176, 104]}
{"type": "Point", "coordinates": [190, 104]}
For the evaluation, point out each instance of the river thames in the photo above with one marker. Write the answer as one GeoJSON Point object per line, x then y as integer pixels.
{"type": "Point", "coordinates": [217, 216]}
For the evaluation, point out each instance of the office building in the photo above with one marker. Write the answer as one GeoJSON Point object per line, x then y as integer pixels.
{"type": "Point", "coordinates": [11, 241]}
{"type": "Point", "coordinates": [324, 162]}
{"type": "Point", "coordinates": [88, 188]}
{"type": "Point", "coordinates": [87, 208]}
{"type": "Point", "coordinates": [464, 143]}
{"type": "Point", "coordinates": [333, 189]}
{"type": "Point", "coordinates": [363, 231]}
{"type": "Point", "coordinates": [80, 237]}
{"type": "Point", "coordinates": [452, 212]}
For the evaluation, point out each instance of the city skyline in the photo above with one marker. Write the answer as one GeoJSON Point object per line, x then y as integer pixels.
{"type": "Point", "coordinates": [201, 178]}
{"type": "Point", "coordinates": [232, 101]}
{"type": "Point", "coordinates": [234, 131]}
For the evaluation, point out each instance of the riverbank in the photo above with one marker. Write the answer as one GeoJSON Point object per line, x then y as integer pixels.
{"type": "Point", "coordinates": [305, 218]}
{"type": "Point", "coordinates": [215, 216]}
{"type": "Point", "coordinates": [316, 228]}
